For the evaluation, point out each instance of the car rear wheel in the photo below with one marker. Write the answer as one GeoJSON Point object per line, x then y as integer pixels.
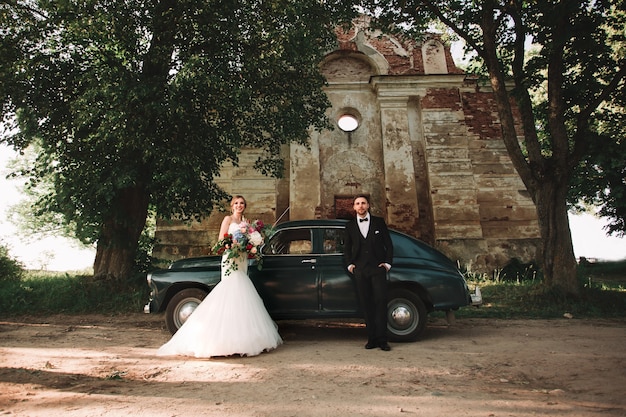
{"type": "Point", "coordinates": [406, 315]}
{"type": "Point", "coordinates": [180, 307]}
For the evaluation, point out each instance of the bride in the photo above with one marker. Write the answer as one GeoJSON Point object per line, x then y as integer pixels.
{"type": "Point", "coordinates": [232, 319]}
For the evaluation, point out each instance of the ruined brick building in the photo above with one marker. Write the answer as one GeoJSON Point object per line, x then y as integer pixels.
{"type": "Point", "coordinates": [427, 150]}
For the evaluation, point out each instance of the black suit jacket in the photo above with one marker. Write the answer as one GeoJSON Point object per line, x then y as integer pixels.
{"type": "Point", "coordinates": [378, 238]}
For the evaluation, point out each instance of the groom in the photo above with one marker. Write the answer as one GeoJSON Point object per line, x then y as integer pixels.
{"type": "Point", "coordinates": [368, 252]}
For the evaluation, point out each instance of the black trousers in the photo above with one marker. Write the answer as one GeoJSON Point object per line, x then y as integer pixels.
{"type": "Point", "coordinates": [371, 285]}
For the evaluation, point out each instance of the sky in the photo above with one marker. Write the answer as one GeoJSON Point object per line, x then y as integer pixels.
{"type": "Point", "coordinates": [50, 253]}
{"type": "Point", "coordinates": [61, 254]}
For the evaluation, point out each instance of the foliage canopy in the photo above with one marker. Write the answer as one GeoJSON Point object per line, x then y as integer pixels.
{"type": "Point", "coordinates": [138, 104]}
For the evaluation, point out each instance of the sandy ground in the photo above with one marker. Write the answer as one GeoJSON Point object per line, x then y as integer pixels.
{"type": "Point", "coordinates": [99, 365]}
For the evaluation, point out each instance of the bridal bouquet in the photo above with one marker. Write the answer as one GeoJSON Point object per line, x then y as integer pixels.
{"type": "Point", "coordinates": [246, 240]}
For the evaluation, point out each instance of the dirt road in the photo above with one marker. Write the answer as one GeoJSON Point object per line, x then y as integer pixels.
{"type": "Point", "coordinates": [96, 365]}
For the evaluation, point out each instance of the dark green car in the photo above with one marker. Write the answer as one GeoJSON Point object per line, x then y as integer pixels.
{"type": "Point", "coordinates": [303, 277]}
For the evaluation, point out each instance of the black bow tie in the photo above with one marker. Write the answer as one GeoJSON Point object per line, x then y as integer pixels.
{"type": "Point", "coordinates": [363, 220]}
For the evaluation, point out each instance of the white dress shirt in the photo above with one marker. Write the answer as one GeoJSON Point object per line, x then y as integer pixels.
{"type": "Point", "coordinates": [364, 226]}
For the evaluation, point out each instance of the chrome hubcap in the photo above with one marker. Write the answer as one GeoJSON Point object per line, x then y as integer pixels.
{"type": "Point", "coordinates": [401, 316]}
{"type": "Point", "coordinates": [185, 311]}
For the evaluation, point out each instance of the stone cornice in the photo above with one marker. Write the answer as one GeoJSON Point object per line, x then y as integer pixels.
{"type": "Point", "coordinates": [411, 85]}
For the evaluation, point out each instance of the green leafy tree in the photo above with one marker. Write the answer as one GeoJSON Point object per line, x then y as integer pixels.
{"type": "Point", "coordinates": [138, 104]}
{"type": "Point", "coordinates": [563, 92]}
{"type": "Point", "coordinates": [10, 268]}
{"type": "Point", "coordinates": [600, 179]}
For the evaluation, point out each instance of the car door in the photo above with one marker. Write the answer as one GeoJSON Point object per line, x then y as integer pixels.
{"type": "Point", "coordinates": [338, 289]}
{"type": "Point", "coordinates": [288, 280]}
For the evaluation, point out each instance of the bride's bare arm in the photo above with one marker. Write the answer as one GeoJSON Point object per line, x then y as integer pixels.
{"type": "Point", "coordinates": [224, 227]}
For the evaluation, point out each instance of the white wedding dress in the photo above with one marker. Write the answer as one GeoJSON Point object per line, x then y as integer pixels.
{"type": "Point", "coordinates": [231, 320]}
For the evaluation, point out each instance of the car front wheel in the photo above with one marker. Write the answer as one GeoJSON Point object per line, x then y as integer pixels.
{"type": "Point", "coordinates": [406, 315]}
{"type": "Point", "coordinates": [180, 307]}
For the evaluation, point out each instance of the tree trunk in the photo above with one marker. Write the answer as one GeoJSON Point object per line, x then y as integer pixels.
{"type": "Point", "coordinates": [546, 179]}
{"type": "Point", "coordinates": [119, 239]}
{"type": "Point", "coordinates": [118, 243]}
{"type": "Point", "coordinates": [557, 255]}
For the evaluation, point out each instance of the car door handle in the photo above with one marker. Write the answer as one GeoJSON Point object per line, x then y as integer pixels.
{"type": "Point", "coordinates": [309, 261]}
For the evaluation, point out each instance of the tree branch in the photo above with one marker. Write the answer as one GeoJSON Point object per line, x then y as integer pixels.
{"type": "Point", "coordinates": [556, 103]}
{"type": "Point", "coordinates": [581, 141]}
{"type": "Point", "coordinates": [15, 5]}
{"type": "Point", "coordinates": [436, 11]}
{"type": "Point", "coordinates": [524, 102]}
{"type": "Point", "coordinates": [496, 74]}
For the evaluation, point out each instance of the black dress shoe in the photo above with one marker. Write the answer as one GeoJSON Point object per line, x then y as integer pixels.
{"type": "Point", "coordinates": [371, 345]}
{"type": "Point", "coordinates": [384, 346]}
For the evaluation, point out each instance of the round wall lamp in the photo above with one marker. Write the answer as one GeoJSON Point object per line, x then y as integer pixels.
{"type": "Point", "coordinates": [348, 122]}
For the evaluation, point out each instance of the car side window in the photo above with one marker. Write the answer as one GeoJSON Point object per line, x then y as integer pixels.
{"type": "Point", "coordinates": [333, 240]}
{"type": "Point", "coordinates": [291, 241]}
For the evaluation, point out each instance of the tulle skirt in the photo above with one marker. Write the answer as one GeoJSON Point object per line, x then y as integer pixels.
{"type": "Point", "coordinates": [231, 320]}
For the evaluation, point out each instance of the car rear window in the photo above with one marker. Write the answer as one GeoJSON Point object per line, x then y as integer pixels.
{"type": "Point", "coordinates": [333, 240]}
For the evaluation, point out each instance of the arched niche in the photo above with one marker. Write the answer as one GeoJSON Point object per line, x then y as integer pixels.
{"type": "Point", "coordinates": [347, 67]}
{"type": "Point", "coordinates": [434, 58]}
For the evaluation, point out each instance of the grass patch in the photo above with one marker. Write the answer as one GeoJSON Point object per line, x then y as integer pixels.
{"type": "Point", "coordinates": [39, 293]}
{"type": "Point", "coordinates": [603, 295]}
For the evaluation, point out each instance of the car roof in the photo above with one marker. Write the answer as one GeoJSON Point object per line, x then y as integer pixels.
{"type": "Point", "coordinates": [329, 223]}
{"type": "Point", "coordinates": [312, 223]}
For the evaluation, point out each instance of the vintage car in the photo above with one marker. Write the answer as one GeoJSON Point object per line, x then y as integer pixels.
{"type": "Point", "coordinates": [303, 277]}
